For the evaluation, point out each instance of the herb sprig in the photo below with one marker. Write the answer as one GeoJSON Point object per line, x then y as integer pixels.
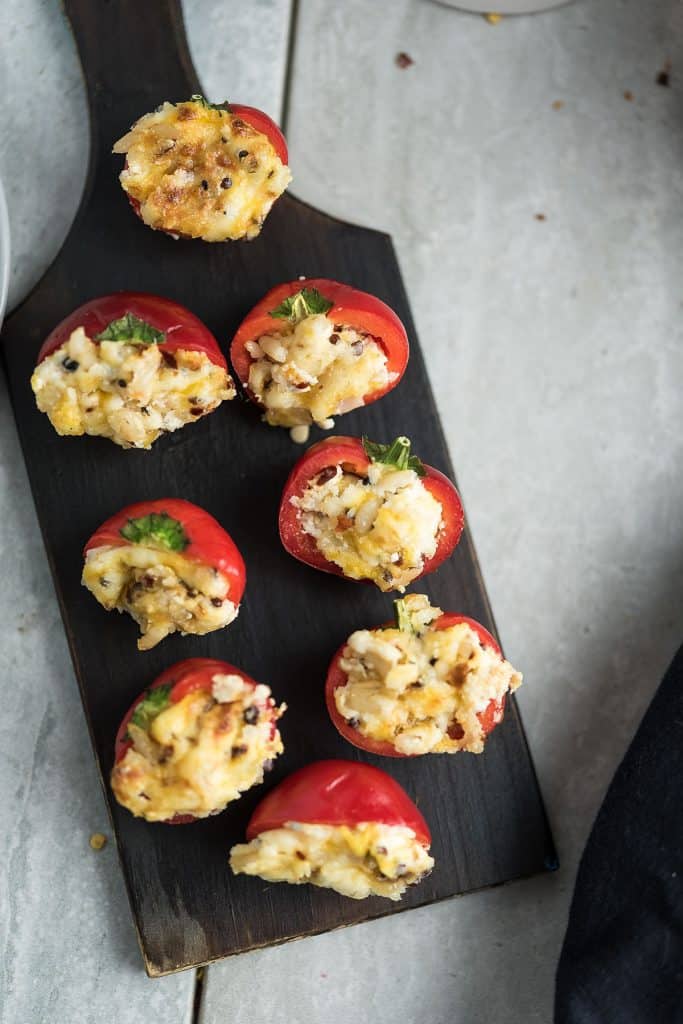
{"type": "Point", "coordinates": [157, 528]}
{"type": "Point", "coordinates": [396, 454]}
{"type": "Point", "coordinates": [129, 328]}
{"type": "Point", "coordinates": [305, 303]}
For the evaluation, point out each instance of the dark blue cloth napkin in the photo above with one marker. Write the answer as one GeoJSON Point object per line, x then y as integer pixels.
{"type": "Point", "coordinates": [622, 959]}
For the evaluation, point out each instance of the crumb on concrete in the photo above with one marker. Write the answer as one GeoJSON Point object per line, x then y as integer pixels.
{"type": "Point", "coordinates": [493, 18]}
{"type": "Point", "coordinates": [628, 95]}
{"type": "Point", "coordinates": [403, 60]}
{"type": "Point", "coordinates": [557, 104]}
{"type": "Point", "coordinates": [539, 216]}
{"type": "Point", "coordinates": [98, 841]}
{"type": "Point", "coordinates": [664, 74]}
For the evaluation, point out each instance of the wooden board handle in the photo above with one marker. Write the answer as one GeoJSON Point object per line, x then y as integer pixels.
{"type": "Point", "coordinates": [134, 56]}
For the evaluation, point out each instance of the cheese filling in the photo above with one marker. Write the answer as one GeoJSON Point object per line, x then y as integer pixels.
{"type": "Point", "coordinates": [367, 859]}
{"type": "Point", "coordinates": [200, 753]}
{"type": "Point", "coordinates": [130, 393]}
{"type": "Point", "coordinates": [200, 172]}
{"type": "Point", "coordinates": [381, 527]}
{"type": "Point", "coordinates": [314, 370]}
{"type": "Point", "coordinates": [164, 592]}
{"type": "Point", "coordinates": [422, 690]}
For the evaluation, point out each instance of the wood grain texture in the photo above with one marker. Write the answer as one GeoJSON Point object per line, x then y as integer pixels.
{"type": "Point", "coordinates": [485, 813]}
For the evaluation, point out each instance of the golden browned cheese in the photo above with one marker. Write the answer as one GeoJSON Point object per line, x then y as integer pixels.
{"type": "Point", "coordinates": [199, 753]}
{"type": "Point", "coordinates": [367, 859]}
{"type": "Point", "coordinates": [410, 686]}
{"type": "Point", "coordinates": [201, 172]}
{"type": "Point", "coordinates": [162, 590]}
{"type": "Point", "coordinates": [129, 393]}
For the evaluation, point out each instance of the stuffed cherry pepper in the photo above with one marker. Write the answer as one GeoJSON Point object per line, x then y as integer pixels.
{"type": "Point", "coordinates": [203, 170]}
{"type": "Point", "coordinates": [202, 734]}
{"type": "Point", "coordinates": [129, 367]}
{"type": "Point", "coordinates": [433, 683]}
{"type": "Point", "coordinates": [170, 565]}
{"type": "Point", "coordinates": [310, 351]}
{"type": "Point", "coordinates": [369, 512]}
{"type": "Point", "coordinates": [339, 825]}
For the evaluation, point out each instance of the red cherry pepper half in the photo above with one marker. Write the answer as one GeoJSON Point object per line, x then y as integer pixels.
{"type": "Point", "coordinates": [256, 119]}
{"type": "Point", "coordinates": [338, 793]}
{"type": "Point", "coordinates": [202, 538]}
{"type": "Point", "coordinates": [181, 328]}
{"type": "Point", "coordinates": [350, 453]}
{"type": "Point", "coordinates": [350, 307]}
{"type": "Point", "coordinates": [336, 678]}
{"type": "Point", "coordinates": [184, 677]}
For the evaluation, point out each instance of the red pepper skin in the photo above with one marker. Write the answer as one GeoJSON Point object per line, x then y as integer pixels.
{"type": "Point", "coordinates": [209, 543]}
{"type": "Point", "coordinates": [349, 452]}
{"type": "Point", "coordinates": [186, 677]}
{"type": "Point", "coordinates": [260, 121]}
{"type": "Point", "coordinates": [336, 678]}
{"type": "Point", "coordinates": [338, 793]}
{"type": "Point", "coordinates": [182, 328]}
{"type": "Point", "coordinates": [351, 307]}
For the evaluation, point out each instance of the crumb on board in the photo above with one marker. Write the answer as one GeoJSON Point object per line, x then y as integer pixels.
{"type": "Point", "coordinates": [403, 60]}
{"type": "Point", "coordinates": [98, 841]}
{"type": "Point", "coordinates": [628, 95]}
{"type": "Point", "coordinates": [557, 104]}
{"type": "Point", "coordinates": [493, 18]}
{"type": "Point", "coordinates": [664, 74]}
{"type": "Point", "coordinates": [539, 216]}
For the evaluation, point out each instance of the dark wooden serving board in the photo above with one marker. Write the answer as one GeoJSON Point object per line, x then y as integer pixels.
{"type": "Point", "coordinates": [485, 812]}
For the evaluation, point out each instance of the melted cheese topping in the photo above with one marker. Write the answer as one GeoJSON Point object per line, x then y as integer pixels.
{"type": "Point", "coordinates": [199, 753]}
{"type": "Point", "coordinates": [163, 591]}
{"type": "Point", "coordinates": [381, 527]}
{"type": "Point", "coordinates": [364, 860]}
{"type": "Point", "coordinates": [415, 689]}
{"type": "Point", "coordinates": [201, 172]}
{"type": "Point", "coordinates": [314, 370]}
{"type": "Point", "coordinates": [129, 393]}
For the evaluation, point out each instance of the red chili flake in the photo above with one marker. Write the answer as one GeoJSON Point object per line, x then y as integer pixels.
{"type": "Point", "coordinates": [403, 60]}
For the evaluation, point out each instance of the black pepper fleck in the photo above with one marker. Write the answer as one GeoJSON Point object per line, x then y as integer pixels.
{"type": "Point", "coordinates": [334, 338]}
{"type": "Point", "coordinates": [251, 715]}
{"type": "Point", "coordinates": [226, 183]}
{"type": "Point", "coordinates": [239, 750]}
{"type": "Point", "coordinates": [216, 602]}
{"type": "Point", "coordinates": [122, 383]}
{"type": "Point", "coordinates": [242, 153]}
{"type": "Point", "coordinates": [70, 365]}
{"type": "Point", "coordinates": [205, 184]}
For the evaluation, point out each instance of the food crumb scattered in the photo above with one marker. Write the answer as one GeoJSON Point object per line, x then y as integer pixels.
{"type": "Point", "coordinates": [403, 60]}
{"type": "Point", "coordinates": [98, 841]}
{"type": "Point", "coordinates": [540, 216]}
{"type": "Point", "coordinates": [664, 75]}
{"type": "Point", "coordinates": [557, 104]}
{"type": "Point", "coordinates": [492, 18]}
{"type": "Point", "coordinates": [200, 973]}
{"type": "Point", "coordinates": [628, 95]}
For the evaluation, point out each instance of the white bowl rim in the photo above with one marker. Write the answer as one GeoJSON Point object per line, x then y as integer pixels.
{"type": "Point", "coordinates": [504, 7]}
{"type": "Point", "coordinates": [4, 253]}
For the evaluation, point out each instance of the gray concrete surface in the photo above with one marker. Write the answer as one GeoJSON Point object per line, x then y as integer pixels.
{"type": "Point", "coordinates": [554, 346]}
